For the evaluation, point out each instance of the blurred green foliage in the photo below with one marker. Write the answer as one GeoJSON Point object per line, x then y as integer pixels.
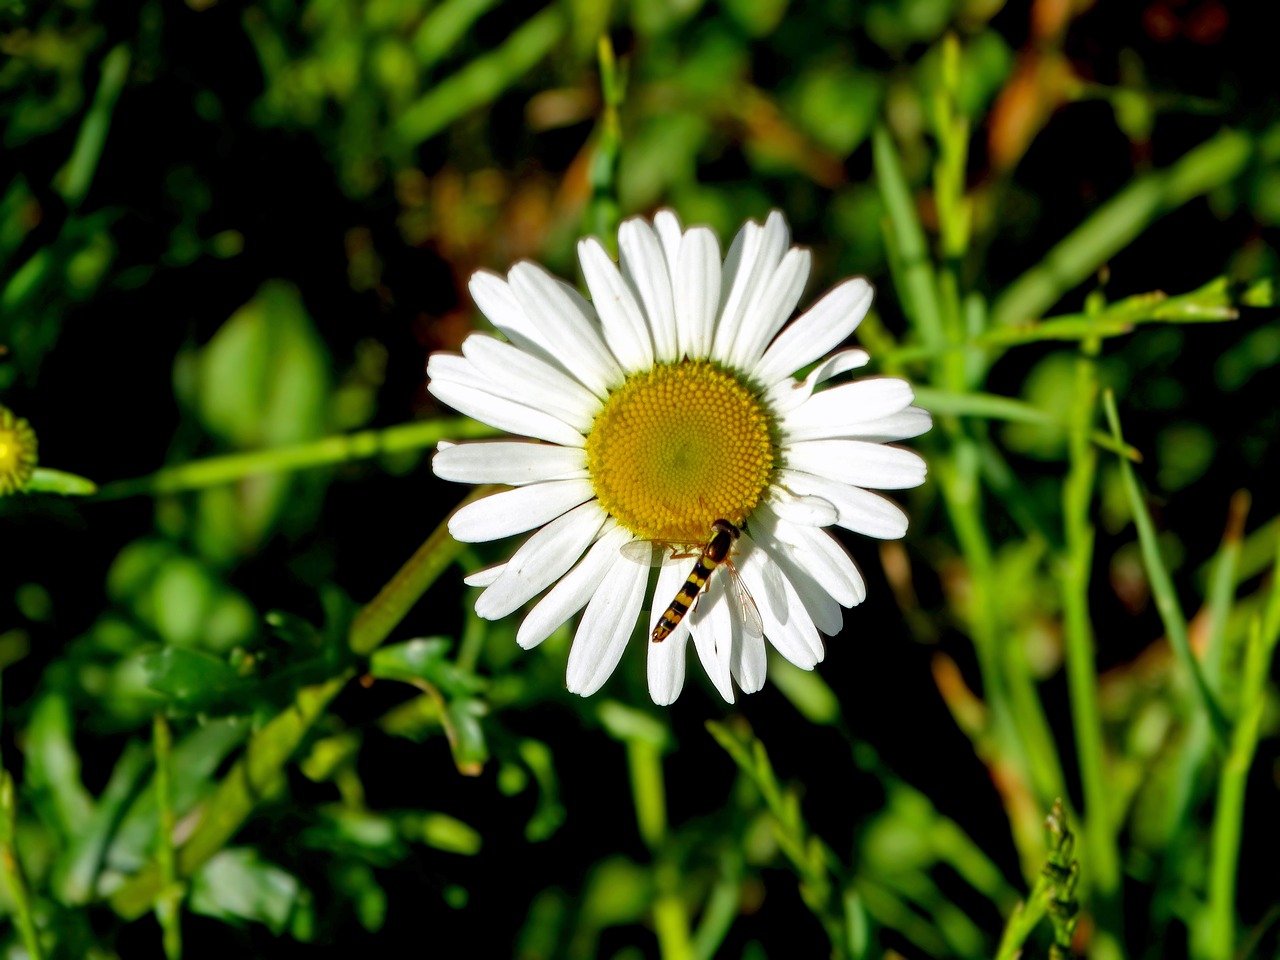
{"type": "Point", "coordinates": [229, 235]}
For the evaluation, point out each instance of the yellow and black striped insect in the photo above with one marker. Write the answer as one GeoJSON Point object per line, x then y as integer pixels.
{"type": "Point", "coordinates": [713, 555]}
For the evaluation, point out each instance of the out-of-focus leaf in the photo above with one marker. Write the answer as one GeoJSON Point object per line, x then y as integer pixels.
{"type": "Point", "coordinates": [194, 680]}
{"type": "Point", "coordinates": [836, 104]}
{"type": "Point", "coordinates": [425, 659]}
{"type": "Point", "coordinates": [549, 813]}
{"type": "Point", "coordinates": [45, 480]}
{"type": "Point", "coordinates": [896, 25]}
{"type": "Point", "coordinates": [236, 885]}
{"type": "Point", "coordinates": [470, 750]}
{"type": "Point", "coordinates": [1184, 451]}
{"type": "Point", "coordinates": [356, 881]}
{"type": "Point", "coordinates": [617, 891]}
{"type": "Point", "coordinates": [413, 660]}
{"type": "Point", "coordinates": [179, 597]}
{"type": "Point", "coordinates": [371, 837]}
{"type": "Point", "coordinates": [1048, 386]}
{"type": "Point", "coordinates": [627, 723]}
{"type": "Point", "coordinates": [52, 767]}
{"type": "Point", "coordinates": [194, 760]}
{"type": "Point", "coordinates": [450, 834]}
{"type": "Point", "coordinates": [756, 17]}
{"type": "Point", "coordinates": [74, 874]}
{"type": "Point", "coordinates": [262, 381]}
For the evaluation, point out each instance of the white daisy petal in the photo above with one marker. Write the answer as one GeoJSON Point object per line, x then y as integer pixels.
{"type": "Point", "coordinates": [541, 561]}
{"type": "Point", "coordinates": [748, 662]}
{"type": "Point", "coordinates": [857, 509]}
{"type": "Point", "coordinates": [697, 292]}
{"type": "Point", "coordinates": [711, 624]}
{"type": "Point", "coordinates": [666, 662]}
{"type": "Point", "coordinates": [625, 329]}
{"type": "Point", "coordinates": [771, 308]}
{"type": "Point", "coordinates": [493, 295]}
{"type": "Point", "coordinates": [903, 425]}
{"type": "Point", "coordinates": [830, 413]}
{"type": "Point", "coordinates": [645, 267]}
{"type": "Point", "coordinates": [825, 560]}
{"type": "Point", "coordinates": [748, 270]}
{"type": "Point", "coordinates": [666, 666]}
{"type": "Point", "coordinates": [559, 317]}
{"type": "Point", "coordinates": [667, 225]}
{"type": "Point", "coordinates": [573, 590]}
{"type": "Point", "coordinates": [509, 462]}
{"type": "Point", "coordinates": [515, 511]}
{"type": "Point", "coordinates": [484, 577]}
{"type": "Point", "coordinates": [606, 626]}
{"type": "Point", "coordinates": [505, 414]}
{"type": "Point", "coordinates": [823, 327]}
{"type": "Point", "coordinates": [787, 394]}
{"type": "Point", "coordinates": [787, 623]}
{"type": "Point", "coordinates": [511, 372]}
{"type": "Point", "coordinates": [859, 462]}
{"type": "Point", "coordinates": [812, 511]}
{"type": "Point", "coordinates": [766, 585]}
{"type": "Point", "coordinates": [821, 607]}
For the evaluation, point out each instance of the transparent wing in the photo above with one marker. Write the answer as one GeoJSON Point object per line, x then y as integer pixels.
{"type": "Point", "coordinates": [752, 624]}
{"type": "Point", "coordinates": [643, 551]}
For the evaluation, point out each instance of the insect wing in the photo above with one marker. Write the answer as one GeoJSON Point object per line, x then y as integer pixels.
{"type": "Point", "coordinates": [752, 624]}
{"type": "Point", "coordinates": [642, 551]}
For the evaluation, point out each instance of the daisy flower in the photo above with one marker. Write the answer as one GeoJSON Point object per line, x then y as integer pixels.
{"type": "Point", "coordinates": [663, 410]}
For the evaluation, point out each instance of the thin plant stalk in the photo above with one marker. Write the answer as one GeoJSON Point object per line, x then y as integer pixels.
{"type": "Point", "coordinates": [169, 902]}
{"type": "Point", "coordinates": [1102, 854]}
{"type": "Point", "coordinates": [343, 448]}
{"type": "Point", "coordinates": [1224, 865]}
{"type": "Point", "coordinates": [15, 877]}
{"type": "Point", "coordinates": [1175, 623]}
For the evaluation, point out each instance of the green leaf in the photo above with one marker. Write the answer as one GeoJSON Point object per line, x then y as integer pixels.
{"type": "Point", "coordinates": [52, 770]}
{"type": "Point", "coordinates": [235, 885]}
{"type": "Point", "coordinates": [418, 659]}
{"type": "Point", "coordinates": [45, 480]}
{"type": "Point", "coordinates": [194, 680]}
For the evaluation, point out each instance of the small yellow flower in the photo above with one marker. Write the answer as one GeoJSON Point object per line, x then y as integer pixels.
{"type": "Point", "coordinates": [17, 452]}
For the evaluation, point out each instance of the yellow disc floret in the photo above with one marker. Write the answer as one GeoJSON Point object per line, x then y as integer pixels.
{"type": "Point", "coordinates": [678, 447]}
{"type": "Point", "coordinates": [17, 452]}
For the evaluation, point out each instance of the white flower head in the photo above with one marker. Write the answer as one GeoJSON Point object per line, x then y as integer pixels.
{"type": "Point", "coordinates": [666, 409]}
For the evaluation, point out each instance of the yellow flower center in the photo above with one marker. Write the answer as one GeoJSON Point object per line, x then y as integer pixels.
{"type": "Point", "coordinates": [678, 447]}
{"type": "Point", "coordinates": [17, 452]}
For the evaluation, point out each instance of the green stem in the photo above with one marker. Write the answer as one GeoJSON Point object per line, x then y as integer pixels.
{"type": "Point", "coordinates": [19, 893]}
{"type": "Point", "coordinates": [810, 858]}
{"type": "Point", "coordinates": [232, 467]}
{"type": "Point", "coordinates": [1216, 302]}
{"type": "Point", "coordinates": [169, 902]}
{"type": "Point", "coordinates": [261, 765]}
{"type": "Point", "coordinates": [482, 79]}
{"type": "Point", "coordinates": [1119, 221]}
{"type": "Point", "coordinates": [1229, 814]}
{"type": "Point", "coordinates": [990, 406]}
{"type": "Point", "coordinates": [1162, 588]}
{"type": "Point", "coordinates": [74, 179]}
{"type": "Point", "coordinates": [648, 790]}
{"type": "Point", "coordinates": [919, 286]}
{"type": "Point", "coordinates": [604, 210]}
{"type": "Point", "coordinates": [1103, 858]}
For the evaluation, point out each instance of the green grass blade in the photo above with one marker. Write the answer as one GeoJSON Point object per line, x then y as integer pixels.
{"type": "Point", "coordinates": [1175, 623]}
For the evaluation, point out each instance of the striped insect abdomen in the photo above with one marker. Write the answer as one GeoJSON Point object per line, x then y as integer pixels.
{"type": "Point", "coordinates": [713, 554]}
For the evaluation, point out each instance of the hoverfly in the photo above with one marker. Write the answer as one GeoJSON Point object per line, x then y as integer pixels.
{"type": "Point", "coordinates": [714, 554]}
